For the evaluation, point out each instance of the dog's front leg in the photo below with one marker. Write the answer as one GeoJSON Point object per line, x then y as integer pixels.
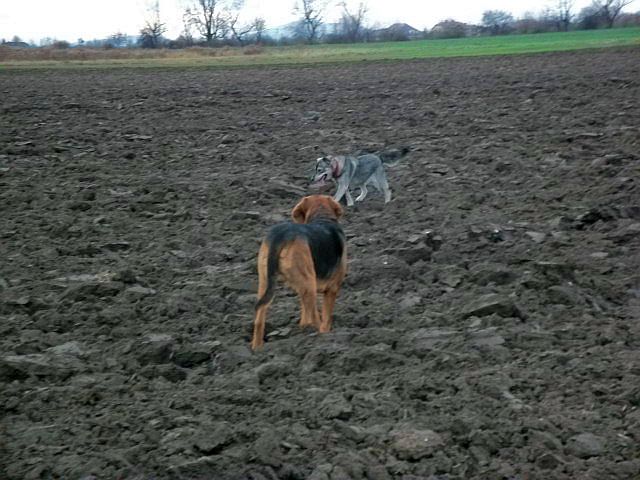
{"type": "Point", "coordinates": [341, 192]}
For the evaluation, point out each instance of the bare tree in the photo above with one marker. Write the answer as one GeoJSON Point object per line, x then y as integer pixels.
{"type": "Point", "coordinates": [312, 12]}
{"type": "Point", "coordinates": [187, 35]}
{"type": "Point", "coordinates": [238, 31]}
{"type": "Point", "coordinates": [497, 22]}
{"type": "Point", "coordinates": [544, 21]}
{"type": "Point", "coordinates": [628, 19]}
{"type": "Point", "coordinates": [209, 18]}
{"type": "Point", "coordinates": [589, 18]}
{"type": "Point", "coordinates": [352, 22]}
{"type": "Point", "coordinates": [564, 14]}
{"type": "Point", "coordinates": [220, 20]}
{"type": "Point", "coordinates": [610, 9]}
{"type": "Point", "coordinates": [151, 34]}
{"type": "Point", "coordinates": [259, 27]}
{"type": "Point", "coordinates": [118, 40]}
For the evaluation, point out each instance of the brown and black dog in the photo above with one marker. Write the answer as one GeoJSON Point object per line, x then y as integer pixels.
{"type": "Point", "coordinates": [310, 255]}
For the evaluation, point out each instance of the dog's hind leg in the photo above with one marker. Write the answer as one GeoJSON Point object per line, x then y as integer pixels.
{"type": "Point", "coordinates": [349, 198]}
{"type": "Point", "coordinates": [363, 193]}
{"type": "Point", "coordinates": [308, 304]}
{"type": "Point", "coordinates": [328, 303]}
{"type": "Point", "coordinates": [384, 186]}
{"type": "Point", "coordinates": [264, 298]}
{"type": "Point", "coordinates": [298, 271]}
{"type": "Point", "coordinates": [331, 290]}
{"type": "Point", "coordinates": [258, 326]}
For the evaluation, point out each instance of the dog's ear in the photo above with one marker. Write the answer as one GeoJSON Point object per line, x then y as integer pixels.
{"type": "Point", "coordinates": [299, 212]}
{"type": "Point", "coordinates": [337, 208]}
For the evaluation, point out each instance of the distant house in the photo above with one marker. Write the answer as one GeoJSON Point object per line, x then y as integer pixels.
{"type": "Point", "coordinates": [453, 29]}
{"type": "Point", "coordinates": [396, 32]}
{"type": "Point", "coordinates": [16, 44]}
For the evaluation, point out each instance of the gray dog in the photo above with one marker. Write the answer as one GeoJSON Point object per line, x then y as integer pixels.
{"type": "Point", "coordinates": [358, 172]}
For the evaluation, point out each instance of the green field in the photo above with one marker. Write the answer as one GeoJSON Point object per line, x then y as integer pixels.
{"type": "Point", "coordinates": [316, 54]}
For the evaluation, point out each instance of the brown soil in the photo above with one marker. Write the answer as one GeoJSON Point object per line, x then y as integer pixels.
{"type": "Point", "coordinates": [488, 328]}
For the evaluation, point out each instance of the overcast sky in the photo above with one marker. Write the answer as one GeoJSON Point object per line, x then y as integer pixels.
{"type": "Point", "coordinates": [69, 20]}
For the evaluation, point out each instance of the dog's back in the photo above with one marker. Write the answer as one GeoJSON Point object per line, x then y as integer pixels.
{"type": "Point", "coordinates": [325, 239]}
{"type": "Point", "coordinates": [363, 168]}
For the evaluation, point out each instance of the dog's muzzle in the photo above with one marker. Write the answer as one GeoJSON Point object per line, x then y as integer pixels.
{"type": "Point", "coordinates": [319, 179]}
{"type": "Point", "coordinates": [319, 182]}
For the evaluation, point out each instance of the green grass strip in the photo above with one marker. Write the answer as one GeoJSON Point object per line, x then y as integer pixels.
{"type": "Point", "coordinates": [318, 54]}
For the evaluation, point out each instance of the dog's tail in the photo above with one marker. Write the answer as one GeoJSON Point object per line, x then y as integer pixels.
{"type": "Point", "coordinates": [392, 156]}
{"type": "Point", "coordinates": [272, 271]}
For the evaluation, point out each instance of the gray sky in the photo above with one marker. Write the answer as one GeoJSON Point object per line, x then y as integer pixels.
{"type": "Point", "coordinates": [88, 19]}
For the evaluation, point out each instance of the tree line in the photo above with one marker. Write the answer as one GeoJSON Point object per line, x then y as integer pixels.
{"type": "Point", "coordinates": [561, 17]}
{"type": "Point", "coordinates": [215, 23]}
{"type": "Point", "coordinates": [218, 22]}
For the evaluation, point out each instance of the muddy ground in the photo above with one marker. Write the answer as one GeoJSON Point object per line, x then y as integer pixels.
{"type": "Point", "coordinates": [488, 328]}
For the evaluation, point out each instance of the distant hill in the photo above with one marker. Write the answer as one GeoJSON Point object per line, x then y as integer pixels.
{"type": "Point", "coordinates": [282, 31]}
{"type": "Point", "coordinates": [289, 30]}
{"type": "Point", "coordinates": [16, 44]}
